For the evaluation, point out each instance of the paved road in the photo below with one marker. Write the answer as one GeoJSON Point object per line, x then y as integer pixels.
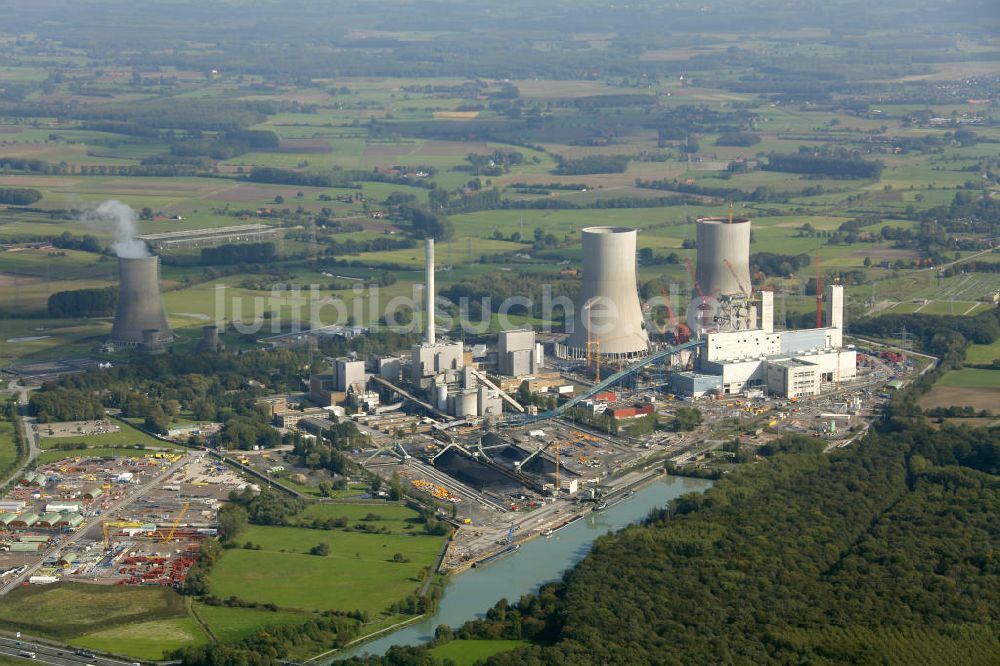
{"type": "Point", "coordinates": [93, 520]}
{"type": "Point", "coordinates": [48, 654]}
{"type": "Point", "coordinates": [29, 429]}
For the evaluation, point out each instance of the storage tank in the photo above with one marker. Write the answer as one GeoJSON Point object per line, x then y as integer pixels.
{"type": "Point", "coordinates": [140, 307]}
{"type": "Point", "coordinates": [721, 239]}
{"type": "Point", "coordinates": [611, 296]}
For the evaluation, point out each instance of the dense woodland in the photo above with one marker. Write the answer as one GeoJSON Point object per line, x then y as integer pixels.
{"type": "Point", "coordinates": [881, 554]}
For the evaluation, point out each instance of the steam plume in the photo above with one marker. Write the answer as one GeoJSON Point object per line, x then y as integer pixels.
{"type": "Point", "coordinates": [121, 220]}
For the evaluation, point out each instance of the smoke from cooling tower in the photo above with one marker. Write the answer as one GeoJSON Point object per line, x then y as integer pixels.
{"type": "Point", "coordinates": [121, 220]}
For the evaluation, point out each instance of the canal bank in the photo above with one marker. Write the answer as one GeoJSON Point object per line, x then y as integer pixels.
{"type": "Point", "coordinates": [470, 594]}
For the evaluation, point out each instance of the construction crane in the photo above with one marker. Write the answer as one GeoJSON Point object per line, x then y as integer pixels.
{"type": "Point", "coordinates": [702, 304]}
{"type": "Point", "coordinates": [681, 335]}
{"type": "Point", "coordinates": [694, 278]}
{"type": "Point", "coordinates": [510, 534]}
{"type": "Point", "coordinates": [177, 521]}
{"type": "Point", "coordinates": [736, 277]}
{"type": "Point", "coordinates": [555, 491]}
{"type": "Point", "coordinates": [819, 296]}
{"type": "Point", "coordinates": [597, 376]}
{"type": "Point", "coordinates": [587, 308]}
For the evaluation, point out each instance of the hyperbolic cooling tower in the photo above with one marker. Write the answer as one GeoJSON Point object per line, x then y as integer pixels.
{"type": "Point", "coordinates": [609, 287]}
{"type": "Point", "coordinates": [719, 240]}
{"type": "Point", "coordinates": [139, 305]}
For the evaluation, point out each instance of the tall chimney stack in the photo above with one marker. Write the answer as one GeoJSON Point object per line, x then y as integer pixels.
{"type": "Point", "coordinates": [430, 291]}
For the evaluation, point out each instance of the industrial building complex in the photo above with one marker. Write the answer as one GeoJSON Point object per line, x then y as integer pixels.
{"type": "Point", "coordinates": [521, 432]}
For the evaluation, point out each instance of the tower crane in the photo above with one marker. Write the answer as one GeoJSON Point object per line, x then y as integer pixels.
{"type": "Point", "coordinates": [177, 521]}
{"type": "Point", "coordinates": [672, 317]}
{"type": "Point", "coordinates": [819, 296]}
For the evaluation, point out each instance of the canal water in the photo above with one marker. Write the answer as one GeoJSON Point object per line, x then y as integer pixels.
{"type": "Point", "coordinates": [470, 594]}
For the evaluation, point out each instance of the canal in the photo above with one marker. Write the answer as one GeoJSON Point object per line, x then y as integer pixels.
{"type": "Point", "coordinates": [470, 594]}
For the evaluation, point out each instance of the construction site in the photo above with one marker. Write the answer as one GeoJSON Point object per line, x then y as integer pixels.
{"type": "Point", "coordinates": [112, 520]}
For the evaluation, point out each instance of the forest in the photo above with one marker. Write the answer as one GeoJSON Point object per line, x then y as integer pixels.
{"type": "Point", "coordinates": [881, 554]}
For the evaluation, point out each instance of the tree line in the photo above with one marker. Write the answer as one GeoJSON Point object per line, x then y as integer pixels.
{"type": "Point", "coordinates": [834, 167]}
{"type": "Point", "coordinates": [95, 302]}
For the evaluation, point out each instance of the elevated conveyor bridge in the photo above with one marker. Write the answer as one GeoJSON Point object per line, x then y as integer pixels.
{"type": "Point", "coordinates": [607, 383]}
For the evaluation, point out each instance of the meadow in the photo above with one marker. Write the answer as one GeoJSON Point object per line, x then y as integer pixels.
{"type": "Point", "coordinates": [8, 448]}
{"type": "Point", "coordinates": [358, 574]}
{"type": "Point", "coordinates": [127, 437]}
{"type": "Point", "coordinates": [150, 621]}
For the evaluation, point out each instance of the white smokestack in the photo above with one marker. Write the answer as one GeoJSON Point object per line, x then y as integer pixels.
{"type": "Point", "coordinates": [430, 291]}
{"type": "Point", "coordinates": [121, 220]}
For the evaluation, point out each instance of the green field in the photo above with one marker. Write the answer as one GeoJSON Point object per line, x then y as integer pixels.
{"type": "Point", "coordinates": [141, 622]}
{"type": "Point", "coordinates": [983, 353]}
{"type": "Point", "coordinates": [233, 624]}
{"type": "Point", "coordinates": [53, 455]}
{"type": "Point", "coordinates": [127, 436]}
{"type": "Point", "coordinates": [357, 575]}
{"type": "Point", "coordinates": [8, 450]}
{"type": "Point", "coordinates": [145, 640]}
{"type": "Point", "coordinates": [971, 378]}
{"type": "Point", "coordinates": [399, 519]}
{"type": "Point", "coordinates": [468, 652]}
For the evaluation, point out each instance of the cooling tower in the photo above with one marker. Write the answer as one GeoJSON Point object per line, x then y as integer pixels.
{"type": "Point", "coordinates": [139, 305]}
{"type": "Point", "coordinates": [720, 240]}
{"type": "Point", "coordinates": [210, 341]}
{"type": "Point", "coordinates": [609, 287]}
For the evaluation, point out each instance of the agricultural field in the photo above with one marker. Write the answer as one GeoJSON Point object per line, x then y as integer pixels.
{"type": "Point", "coordinates": [358, 574]}
{"type": "Point", "coordinates": [341, 133]}
{"type": "Point", "coordinates": [971, 378]}
{"type": "Point", "coordinates": [972, 387]}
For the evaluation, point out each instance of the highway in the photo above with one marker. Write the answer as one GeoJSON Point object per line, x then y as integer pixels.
{"type": "Point", "coordinates": [92, 521]}
{"type": "Point", "coordinates": [58, 656]}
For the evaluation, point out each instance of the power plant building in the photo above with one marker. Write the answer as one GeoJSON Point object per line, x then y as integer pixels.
{"type": "Point", "coordinates": [608, 317]}
{"type": "Point", "coordinates": [788, 363]}
{"type": "Point", "coordinates": [518, 354]}
{"type": "Point", "coordinates": [139, 318]}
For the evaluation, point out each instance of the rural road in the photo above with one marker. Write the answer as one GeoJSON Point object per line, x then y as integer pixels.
{"type": "Point", "coordinates": [29, 429]}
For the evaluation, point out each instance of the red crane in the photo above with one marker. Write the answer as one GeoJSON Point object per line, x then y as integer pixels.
{"type": "Point", "coordinates": [732, 272]}
{"type": "Point", "coordinates": [819, 296]}
{"type": "Point", "coordinates": [681, 332]}
{"type": "Point", "coordinates": [690, 267]}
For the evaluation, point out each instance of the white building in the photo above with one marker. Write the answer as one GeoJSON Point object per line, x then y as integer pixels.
{"type": "Point", "coordinates": [802, 360]}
